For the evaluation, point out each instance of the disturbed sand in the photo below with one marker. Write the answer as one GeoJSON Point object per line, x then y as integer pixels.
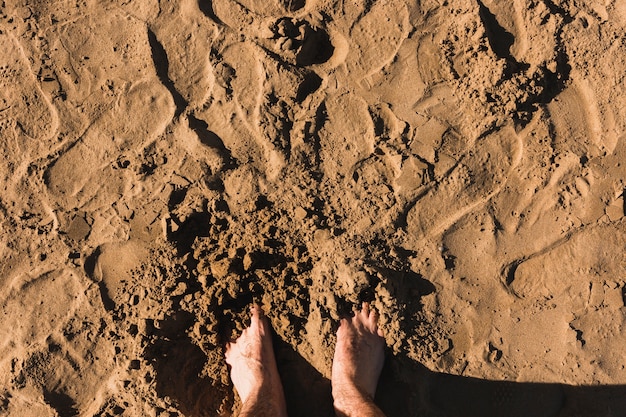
{"type": "Point", "coordinates": [460, 164]}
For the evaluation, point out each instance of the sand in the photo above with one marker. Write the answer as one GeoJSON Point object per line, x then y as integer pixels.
{"type": "Point", "coordinates": [459, 164]}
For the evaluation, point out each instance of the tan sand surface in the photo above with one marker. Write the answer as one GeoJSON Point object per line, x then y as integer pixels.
{"type": "Point", "coordinates": [460, 164]}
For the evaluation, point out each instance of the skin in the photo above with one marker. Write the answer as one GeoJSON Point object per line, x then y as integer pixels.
{"type": "Point", "coordinates": [357, 363]}
{"type": "Point", "coordinates": [253, 369]}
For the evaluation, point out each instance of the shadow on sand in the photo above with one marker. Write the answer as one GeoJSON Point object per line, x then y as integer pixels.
{"type": "Point", "coordinates": [407, 388]}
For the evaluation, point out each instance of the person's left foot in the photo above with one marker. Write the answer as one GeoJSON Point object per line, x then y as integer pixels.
{"type": "Point", "coordinates": [253, 366]}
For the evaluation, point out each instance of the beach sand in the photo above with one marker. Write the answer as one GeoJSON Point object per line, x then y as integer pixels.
{"type": "Point", "coordinates": [459, 164]}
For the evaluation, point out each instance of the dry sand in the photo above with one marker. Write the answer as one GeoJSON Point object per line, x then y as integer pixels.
{"type": "Point", "coordinates": [461, 164]}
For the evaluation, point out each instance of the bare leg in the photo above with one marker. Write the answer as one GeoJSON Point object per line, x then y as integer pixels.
{"type": "Point", "coordinates": [358, 361]}
{"type": "Point", "coordinates": [253, 370]}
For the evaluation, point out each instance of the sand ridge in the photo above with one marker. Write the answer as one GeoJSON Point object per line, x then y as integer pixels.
{"type": "Point", "coordinates": [458, 164]}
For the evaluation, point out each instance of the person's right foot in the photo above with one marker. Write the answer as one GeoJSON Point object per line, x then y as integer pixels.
{"type": "Point", "coordinates": [358, 360]}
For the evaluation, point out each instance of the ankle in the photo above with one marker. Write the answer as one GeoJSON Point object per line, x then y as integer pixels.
{"type": "Point", "coordinates": [262, 401]}
{"type": "Point", "coordinates": [252, 393]}
{"type": "Point", "coordinates": [349, 399]}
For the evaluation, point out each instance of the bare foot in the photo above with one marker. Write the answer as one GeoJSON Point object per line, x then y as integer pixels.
{"type": "Point", "coordinates": [253, 368]}
{"type": "Point", "coordinates": [358, 361]}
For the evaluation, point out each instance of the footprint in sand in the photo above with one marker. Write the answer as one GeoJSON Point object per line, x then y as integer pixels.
{"type": "Point", "coordinates": [577, 122]}
{"type": "Point", "coordinates": [504, 28]}
{"type": "Point", "coordinates": [111, 265]}
{"type": "Point", "coordinates": [242, 79]}
{"type": "Point", "coordinates": [94, 57]}
{"type": "Point", "coordinates": [246, 81]}
{"type": "Point", "coordinates": [544, 274]}
{"type": "Point", "coordinates": [291, 36]}
{"type": "Point", "coordinates": [376, 37]}
{"type": "Point", "coordinates": [580, 284]}
{"type": "Point", "coordinates": [348, 135]}
{"type": "Point", "coordinates": [49, 346]}
{"type": "Point", "coordinates": [373, 194]}
{"type": "Point", "coordinates": [111, 73]}
{"type": "Point", "coordinates": [479, 174]}
{"type": "Point", "coordinates": [178, 38]}
{"type": "Point", "coordinates": [84, 174]}
{"type": "Point", "coordinates": [24, 108]}
{"type": "Point", "coordinates": [38, 308]}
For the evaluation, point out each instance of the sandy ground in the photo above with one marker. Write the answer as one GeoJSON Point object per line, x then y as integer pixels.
{"type": "Point", "coordinates": [460, 164]}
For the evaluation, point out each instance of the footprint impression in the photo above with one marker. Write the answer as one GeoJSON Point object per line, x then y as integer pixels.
{"type": "Point", "coordinates": [22, 102]}
{"type": "Point", "coordinates": [478, 176]}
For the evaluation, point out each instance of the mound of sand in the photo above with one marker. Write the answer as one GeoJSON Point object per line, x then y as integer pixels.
{"type": "Point", "coordinates": [461, 165]}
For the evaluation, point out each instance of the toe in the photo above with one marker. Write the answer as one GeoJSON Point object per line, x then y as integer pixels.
{"type": "Point", "coordinates": [256, 311]}
{"type": "Point", "coordinates": [258, 319]}
{"type": "Point", "coordinates": [372, 322]}
{"type": "Point", "coordinates": [361, 317]}
{"type": "Point", "coordinates": [228, 352]}
{"type": "Point", "coordinates": [373, 319]}
{"type": "Point", "coordinates": [366, 309]}
{"type": "Point", "coordinates": [343, 324]}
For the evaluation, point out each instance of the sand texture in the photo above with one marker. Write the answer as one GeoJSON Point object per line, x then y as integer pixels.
{"type": "Point", "coordinates": [460, 164]}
